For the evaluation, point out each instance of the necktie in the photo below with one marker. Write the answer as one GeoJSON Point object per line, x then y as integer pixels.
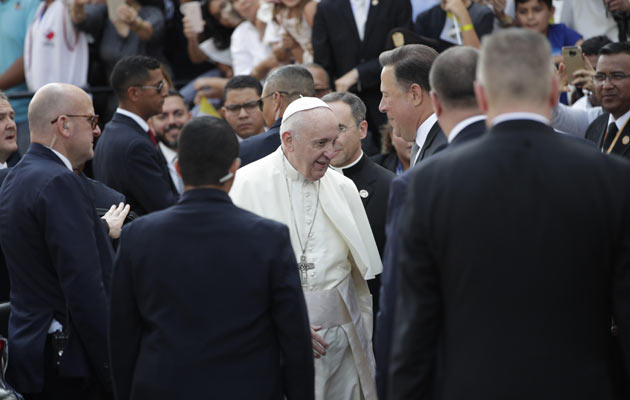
{"type": "Point", "coordinates": [414, 152]}
{"type": "Point", "coordinates": [152, 137]}
{"type": "Point", "coordinates": [612, 132]}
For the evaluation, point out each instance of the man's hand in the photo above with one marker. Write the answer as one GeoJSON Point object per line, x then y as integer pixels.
{"type": "Point", "coordinates": [188, 29]}
{"type": "Point", "coordinates": [617, 5]}
{"type": "Point", "coordinates": [115, 218]}
{"type": "Point", "coordinates": [127, 14]}
{"type": "Point", "coordinates": [583, 78]}
{"type": "Point", "coordinates": [319, 345]}
{"type": "Point", "coordinates": [348, 80]}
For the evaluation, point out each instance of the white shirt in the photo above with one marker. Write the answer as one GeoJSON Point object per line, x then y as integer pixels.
{"type": "Point", "coordinates": [519, 115]}
{"type": "Point", "coordinates": [621, 121]}
{"type": "Point", "coordinates": [170, 157]}
{"type": "Point", "coordinates": [422, 133]}
{"type": "Point", "coordinates": [325, 247]}
{"type": "Point", "coordinates": [54, 50]}
{"type": "Point", "coordinates": [143, 124]}
{"type": "Point", "coordinates": [3, 165]}
{"type": "Point", "coordinates": [63, 158]}
{"type": "Point", "coordinates": [573, 121]}
{"type": "Point", "coordinates": [246, 48]}
{"type": "Point", "coordinates": [589, 18]}
{"type": "Point", "coordinates": [463, 124]}
{"type": "Point", "coordinates": [360, 9]}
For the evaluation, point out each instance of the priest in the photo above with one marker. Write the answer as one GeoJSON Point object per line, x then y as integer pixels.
{"type": "Point", "coordinates": [332, 240]}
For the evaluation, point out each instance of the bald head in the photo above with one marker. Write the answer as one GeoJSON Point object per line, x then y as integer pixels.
{"type": "Point", "coordinates": [50, 102]}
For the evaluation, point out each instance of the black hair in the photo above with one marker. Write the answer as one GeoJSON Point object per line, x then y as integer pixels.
{"type": "Point", "coordinates": [615, 48]}
{"type": "Point", "coordinates": [592, 46]}
{"type": "Point", "coordinates": [548, 3]}
{"type": "Point", "coordinates": [242, 82]}
{"type": "Point", "coordinates": [131, 71]}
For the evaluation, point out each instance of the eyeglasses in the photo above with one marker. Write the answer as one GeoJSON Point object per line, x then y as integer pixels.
{"type": "Point", "coordinates": [615, 77]}
{"type": "Point", "coordinates": [271, 94]}
{"type": "Point", "coordinates": [249, 106]}
{"type": "Point", "coordinates": [92, 119]}
{"type": "Point", "coordinates": [159, 87]}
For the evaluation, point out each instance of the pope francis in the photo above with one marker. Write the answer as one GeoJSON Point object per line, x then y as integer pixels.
{"type": "Point", "coordinates": [332, 241]}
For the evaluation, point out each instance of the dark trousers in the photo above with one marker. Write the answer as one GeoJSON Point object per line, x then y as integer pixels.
{"type": "Point", "coordinates": [62, 388]}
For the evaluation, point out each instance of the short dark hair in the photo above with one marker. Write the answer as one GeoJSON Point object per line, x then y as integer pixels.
{"type": "Point", "coordinates": [357, 107]}
{"type": "Point", "coordinates": [294, 80]}
{"type": "Point", "coordinates": [131, 71]}
{"type": "Point", "coordinates": [412, 63]}
{"type": "Point", "coordinates": [592, 46]}
{"type": "Point", "coordinates": [206, 149]}
{"type": "Point", "coordinates": [453, 75]}
{"type": "Point", "coordinates": [242, 82]}
{"type": "Point", "coordinates": [615, 48]}
{"type": "Point", "coordinates": [548, 3]}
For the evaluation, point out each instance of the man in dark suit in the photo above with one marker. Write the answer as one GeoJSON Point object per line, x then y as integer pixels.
{"type": "Point", "coordinates": [347, 41]}
{"type": "Point", "coordinates": [233, 324]}
{"type": "Point", "coordinates": [504, 293]}
{"type": "Point", "coordinates": [452, 77]}
{"type": "Point", "coordinates": [281, 87]}
{"type": "Point", "coordinates": [612, 87]}
{"type": "Point", "coordinates": [58, 255]}
{"type": "Point", "coordinates": [126, 158]}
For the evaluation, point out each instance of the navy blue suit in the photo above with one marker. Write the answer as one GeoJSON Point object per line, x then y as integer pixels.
{"type": "Point", "coordinates": [389, 277]}
{"type": "Point", "coordinates": [59, 259]}
{"type": "Point", "coordinates": [126, 160]}
{"type": "Point", "coordinates": [207, 303]}
{"type": "Point", "coordinates": [259, 146]}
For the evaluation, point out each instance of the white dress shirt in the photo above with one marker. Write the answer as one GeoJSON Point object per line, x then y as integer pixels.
{"type": "Point", "coordinates": [139, 120]}
{"type": "Point", "coordinates": [170, 155]}
{"type": "Point", "coordinates": [422, 133]}
{"type": "Point", "coordinates": [463, 124]}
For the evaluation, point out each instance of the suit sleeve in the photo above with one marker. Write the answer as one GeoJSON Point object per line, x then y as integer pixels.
{"type": "Point", "coordinates": [147, 181]}
{"type": "Point", "coordinates": [124, 321]}
{"type": "Point", "coordinates": [291, 322]}
{"type": "Point", "coordinates": [70, 233]}
{"type": "Point", "coordinates": [418, 305]}
{"type": "Point", "coordinates": [322, 48]}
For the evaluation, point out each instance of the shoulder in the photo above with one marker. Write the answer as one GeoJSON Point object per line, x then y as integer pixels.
{"type": "Point", "coordinates": [377, 170]}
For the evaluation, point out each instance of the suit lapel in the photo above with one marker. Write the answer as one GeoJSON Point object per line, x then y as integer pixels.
{"type": "Point", "coordinates": [345, 9]}
{"type": "Point", "coordinates": [435, 129]}
{"type": "Point", "coordinates": [373, 13]}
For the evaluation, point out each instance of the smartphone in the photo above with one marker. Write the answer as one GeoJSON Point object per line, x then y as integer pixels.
{"type": "Point", "coordinates": [573, 60]}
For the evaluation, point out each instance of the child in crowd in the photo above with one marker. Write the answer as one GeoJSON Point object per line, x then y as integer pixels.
{"type": "Point", "coordinates": [536, 15]}
{"type": "Point", "coordinates": [295, 17]}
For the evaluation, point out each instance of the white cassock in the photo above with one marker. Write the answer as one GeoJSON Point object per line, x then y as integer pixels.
{"type": "Point", "coordinates": [344, 254]}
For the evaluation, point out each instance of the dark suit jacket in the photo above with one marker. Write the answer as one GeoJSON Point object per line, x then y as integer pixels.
{"type": "Point", "coordinates": [389, 277]}
{"type": "Point", "coordinates": [259, 146]}
{"type": "Point", "coordinates": [15, 157]}
{"type": "Point", "coordinates": [514, 256]}
{"type": "Point", "coordinates": [435, 140]}
{"type": "Point", "coordinates": [595, 133]}
{"type": "Point", "coordinates": [59, 259]}
{"type": "Point", "coordinates": [207, 303]}
{"type": "Point", "coordinates": [389, 161]}
{"type": "Point", "coordinates": [126, 160]}
{"type": "Point", "coordinates": [338, 48]}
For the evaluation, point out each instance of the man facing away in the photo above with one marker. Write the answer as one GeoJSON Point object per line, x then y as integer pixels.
{"type": "Point", "coordinates": [126, 158]}
{"type": "Point", "coordinates": [58, 255]}
{"type": "Point", "coordinates": [230, 316]}
{"type": "Point", "coordinates": [331, 239]}
{"type": "Point", "coordinates": [514, 253]}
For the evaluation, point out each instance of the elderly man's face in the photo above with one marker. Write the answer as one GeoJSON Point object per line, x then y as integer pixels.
{"type": "Point", "coordinates": [614, 93]}
{"type": "Point", "coordinates": [313, 147]}
{"type": "Point", "coordinates": [8, 131]}
{"type": "Point", "coordinates": [396, 103]}
{"type": "Point", "coordinates": [169, 123]}
{"type": "Point", "coordinates": [242, 110]}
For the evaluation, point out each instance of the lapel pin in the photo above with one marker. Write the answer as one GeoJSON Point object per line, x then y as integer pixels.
{"type": "Point", "coordinates": [375, 3]}
{"type": "Point", "coordinates": [625, 140]}
{"type": "Point", "coordinates": [363, 193]}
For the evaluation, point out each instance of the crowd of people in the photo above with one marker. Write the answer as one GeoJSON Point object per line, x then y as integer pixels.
{"type": "Point", "coordinates": [331, 200]}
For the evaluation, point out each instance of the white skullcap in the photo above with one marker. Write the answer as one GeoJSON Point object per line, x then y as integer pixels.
{"type": "Point", "coordinates": [303, 104]}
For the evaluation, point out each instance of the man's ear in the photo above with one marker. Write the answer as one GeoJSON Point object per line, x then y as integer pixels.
{"type": "Point", "coordinates": [363, 126]}
{"type": "Point", "coordinates": [236, 164]}
{"type": "Point", "coordinates": [178, 168]}
{"type": "Point", "coordinates": [416, 93]}
{"type": "Point", "coordinates": [62, 126]}
{"type": "Point", "coordinates": [435, 101]}
{"type": "Point", "coordinates": [133, 93]}
{"type": "Point", "coordinates": [287, 140]}
{"type": "Point", "coordinates": [480, 95]}
{"type": "Point", "coordinates": [222, 110]}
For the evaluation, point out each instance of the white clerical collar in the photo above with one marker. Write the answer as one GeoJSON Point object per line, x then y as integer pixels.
{"type": "Point", "coordinates": [352, 164]}
{"type": "Point", "coordinates": [169, 153]}
{"type": "Point", "coordinates": [621, 121]}
{"type": "Point", "coordinates": [62, 158]}
{"type": "Point", "coordinates": [520, 115]}
{"type": "Point", "coordinates": [463, 124]}
{"type": "Point", "coordinates": [143, 124]}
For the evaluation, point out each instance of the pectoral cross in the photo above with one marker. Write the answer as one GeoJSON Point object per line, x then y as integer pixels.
{"type": "Point", "coordinates": [304, 266]}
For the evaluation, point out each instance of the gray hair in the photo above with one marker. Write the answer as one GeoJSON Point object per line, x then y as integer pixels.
{"type": "Point", "coordinates": [411, 64]}
{"type": "Point", "coordinates": [294, 81]}
{"type": "Point", "coordinates": [452, 77]}
{"type": "Point", "coordinates": [357, 107]}
{"type": "Point", "coordinates": [515, 66]}
{"type": "Point", "coordinates": [3, 96]}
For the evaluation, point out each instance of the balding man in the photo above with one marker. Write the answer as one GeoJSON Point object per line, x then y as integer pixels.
{"type": "Point", "coordinates": [58, 255]}
{"type": "Point", "coordinates": [332, 241]}
{"type": "Point", "coordinates": [281, 87]}
{"type": "Point", "coordinates": [505, 293]}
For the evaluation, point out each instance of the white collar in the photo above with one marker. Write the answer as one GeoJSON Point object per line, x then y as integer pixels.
{"type": "Point", "coordinates": [352, 164]}
{"type": "Point", "coordinates": [62, 158]}
{"type": "Point", "coordinates": [3, 165]}
{"type": "Point", "coordinates": [519, 115]}
{"type": "Point", "coordinates": [143, 124]}
{"type": "Point", "coordinates": [621, 121]}
{"type": "Point", "coordinates": [463, 124]}
{"type": "Point", "coordinates": [169, 153]}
